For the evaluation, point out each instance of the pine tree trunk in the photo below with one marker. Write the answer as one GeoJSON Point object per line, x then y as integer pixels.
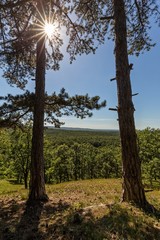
{"type": "Point", "coordinates": [26, 180]}
{"type": "Point", "coordinates": [133, 190]}
{"type": "Point", "coordinates": [37, 182]}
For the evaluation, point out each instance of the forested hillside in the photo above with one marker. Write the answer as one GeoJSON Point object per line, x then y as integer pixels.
{"type": "Point", "coordinates": [95, 137]}
{"type": "Point", "coordinates": [77, 155]}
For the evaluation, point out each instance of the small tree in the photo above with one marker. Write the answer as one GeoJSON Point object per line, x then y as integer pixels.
{"type": "Point", "coordinates": [20, 153]}
{"type": "Point", "coordinates": [63, 163]}
{"type": "Point", "coordinates": [149, 152]}
{"type": "Point", "coordinates": [6, 166]}
{"type": "Point", "coordinates": [107, 162]}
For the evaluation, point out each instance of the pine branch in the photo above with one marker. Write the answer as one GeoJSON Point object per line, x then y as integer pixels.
{"type": "Point", "coordinates": [19, 108]}
{"type": "Point", "coordinates": [12, 4]}
{"type": "Point", "coordinates": [108, 18]}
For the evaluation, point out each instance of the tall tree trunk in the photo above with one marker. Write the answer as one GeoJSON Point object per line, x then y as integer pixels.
{"type": "Point", "coordinates": [37, 182]}
{"type": "Point", "coordinates": [133, 190]}
{"type": "Point", "coordinates": [26, 180]}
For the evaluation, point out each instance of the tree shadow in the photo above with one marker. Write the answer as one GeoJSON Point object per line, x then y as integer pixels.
{"type": "Point", "coordinates": [27, 228]}
{"type": "Point", "coordinates": [59, 220]}
{"type": "Point", "coordinates": [9, 217]}
{"type": "Point", "coordinates": [25, 222]}
{"type": "Point", "coordinates": [118, 223]}
{"type": "Point", "coordinates": [122, 223]}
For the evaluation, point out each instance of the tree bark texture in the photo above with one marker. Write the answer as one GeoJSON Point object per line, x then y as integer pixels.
{"type": "Point", "coordinates": [37, 182]}
{"type": "Point", "coordinates": [133, 190]}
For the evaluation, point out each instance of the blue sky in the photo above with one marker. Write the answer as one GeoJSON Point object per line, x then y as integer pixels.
{"type": "Point", "coordinates": [92, 73]}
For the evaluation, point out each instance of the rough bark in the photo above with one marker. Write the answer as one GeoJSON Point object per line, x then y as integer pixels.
{"type": "Point", "coordinates": [26, 180]}
{"type": "Point", "coordinates": [37, 182]}
{"type": "Point", "coordinates": [133, 190]}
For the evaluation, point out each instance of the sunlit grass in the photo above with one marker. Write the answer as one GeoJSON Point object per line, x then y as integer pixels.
{"type": "Point", "coordinates": [91, 192]}
{"type": "Point", "coordinates": [96, 191]}
{"type": "Point", "coordinates": [88, 209]}
{"type": "Point", "coordinates": [7, 188]}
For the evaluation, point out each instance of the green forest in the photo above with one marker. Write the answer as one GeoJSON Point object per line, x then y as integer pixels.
{"type": "Point", "coordinates": [72, 155]}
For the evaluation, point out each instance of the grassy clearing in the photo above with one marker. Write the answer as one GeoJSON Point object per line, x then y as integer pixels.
{"type": "Point", "coordinates": [82, 210]}
{"type": "Point", "coordinates": [10, 190]}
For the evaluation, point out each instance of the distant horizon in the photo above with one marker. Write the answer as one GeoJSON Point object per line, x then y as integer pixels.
{"type": "Point", "coordinates": [90, 129]}
{"type": "Point", "coordinates": [101, 129]}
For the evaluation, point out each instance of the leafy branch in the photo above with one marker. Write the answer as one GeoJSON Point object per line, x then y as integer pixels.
{"type": "Point", "coordinates": [16, 110]}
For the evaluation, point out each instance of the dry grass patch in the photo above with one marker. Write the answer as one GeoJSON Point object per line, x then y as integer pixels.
{"type": "Point", "coordinates": [82, 210]}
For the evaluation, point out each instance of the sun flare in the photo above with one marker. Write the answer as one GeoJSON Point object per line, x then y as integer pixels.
{"type": "Point", "coordinates": [49, 29]}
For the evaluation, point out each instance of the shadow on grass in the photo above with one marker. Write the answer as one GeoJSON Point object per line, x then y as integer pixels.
{"type": "Point", "coordinates": [60, 221]}
{"type": "Point", "coordinates": [19, 221]}
{"type": "Point", "coordinates": [118, 223]}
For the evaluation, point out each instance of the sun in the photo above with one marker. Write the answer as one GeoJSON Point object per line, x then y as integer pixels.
{"type": "Point", "coordinates": [49, 29]}
{"type": "Point", "coordinates": [45, 24]}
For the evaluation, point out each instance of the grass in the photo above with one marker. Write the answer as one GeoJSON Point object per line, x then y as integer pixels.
{"type": "Point", "coordinates": [82, 210]}
{"type": "Point", "coordinates": [7, 189]}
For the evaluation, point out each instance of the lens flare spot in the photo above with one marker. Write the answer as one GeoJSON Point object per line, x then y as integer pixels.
{"type": "Point", "coordinates": [49, 29]}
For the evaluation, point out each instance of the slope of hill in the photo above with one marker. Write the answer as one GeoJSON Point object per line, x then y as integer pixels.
{"type": "Point", "coordinates": [82, 210]}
